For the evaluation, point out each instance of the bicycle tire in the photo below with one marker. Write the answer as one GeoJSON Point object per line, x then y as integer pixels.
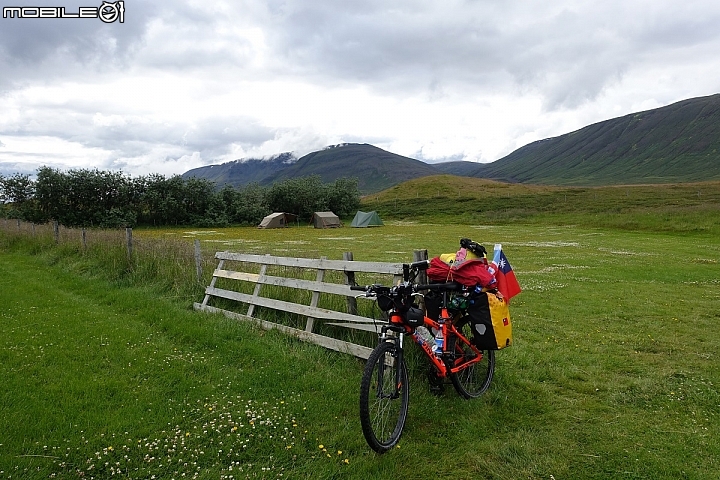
{"type": "Point", "coordinates": [383, 417]}
{"type": "Point", "coordinates": [474, 380]}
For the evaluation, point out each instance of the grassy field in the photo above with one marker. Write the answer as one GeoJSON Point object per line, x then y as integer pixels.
{"type": "Point", "coordinates": [613, 374]}
{"type": "Point", "coordinates": [682, 208]}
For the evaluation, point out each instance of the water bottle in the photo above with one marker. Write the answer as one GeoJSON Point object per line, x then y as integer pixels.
{"type": "Point", "coordinates": [425, 334]}
{"type": "Point", "coordinates": [439, 341]}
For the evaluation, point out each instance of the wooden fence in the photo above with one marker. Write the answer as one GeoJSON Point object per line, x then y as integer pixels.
{"type": "Point", "coordinates": [266, 276]}
{"type": "Point", "coordinates": [312, 312]}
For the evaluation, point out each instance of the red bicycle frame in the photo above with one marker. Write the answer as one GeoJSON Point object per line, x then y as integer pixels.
{"type": "Point", "coordinates": [444, 324]}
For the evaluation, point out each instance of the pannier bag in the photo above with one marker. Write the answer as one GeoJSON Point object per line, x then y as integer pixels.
{"type": "Point", "coordinates": [490, 320]}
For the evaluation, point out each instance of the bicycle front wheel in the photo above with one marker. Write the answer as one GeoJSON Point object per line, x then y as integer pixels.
{"type": "Point", "coordinates": [384, 398]}
{"type": "Point", "coordinates": [471, 382]}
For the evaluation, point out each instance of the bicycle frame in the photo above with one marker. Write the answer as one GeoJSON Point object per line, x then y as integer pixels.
{"type": "Point", "coordinates": [444, 363]}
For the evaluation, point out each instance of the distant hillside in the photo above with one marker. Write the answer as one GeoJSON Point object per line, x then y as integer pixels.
{"type": "Point", "coordinates": [677, 143]}
{"type": "Point", "coordinates": [685, 207]}
{"type": "Point", "coordinates": [461, 169]}
{"type": "Point", "coordinates": [241, 172]}
{"type": "Point", "coordinates": [375, 168]}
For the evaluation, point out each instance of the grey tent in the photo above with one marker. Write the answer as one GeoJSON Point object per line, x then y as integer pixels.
{"type": "Point", "coordinates": [325, 220]}
{"type": "Point", "coordinates": [366, 219]}
{"type": "Point", "coordinates": [277, 220]}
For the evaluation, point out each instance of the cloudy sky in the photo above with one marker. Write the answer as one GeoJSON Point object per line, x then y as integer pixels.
{"type": "Point", "coordinates": [188, 83]}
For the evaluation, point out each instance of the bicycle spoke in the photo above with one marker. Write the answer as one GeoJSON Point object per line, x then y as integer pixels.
{"type": "Point", "coordinates": [475, 378]}
{"type": "Point", "coordinates": [383, 404]}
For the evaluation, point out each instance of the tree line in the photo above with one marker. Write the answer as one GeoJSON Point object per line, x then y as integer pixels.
{"type": "Point", "coordinates": [105, 199]}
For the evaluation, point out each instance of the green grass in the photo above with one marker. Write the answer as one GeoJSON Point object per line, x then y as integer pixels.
{"type": "Point", "coordinates": [613, 372]}
{"type": "Point", "coordinates": [682, 208]}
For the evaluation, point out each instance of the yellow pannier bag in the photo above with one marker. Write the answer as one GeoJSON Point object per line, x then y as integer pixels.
{"type": "Point", "coordinates": [500, 316]}
{"type": "Point", "coordinates": [490, 320]}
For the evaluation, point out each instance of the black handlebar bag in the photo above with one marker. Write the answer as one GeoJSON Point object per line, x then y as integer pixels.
{"type": "Point", "coordinates": [490, 319]}
{"type": "Point", "coordinates": [433, 301]}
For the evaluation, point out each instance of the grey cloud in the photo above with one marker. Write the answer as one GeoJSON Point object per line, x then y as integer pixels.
{"type": "Point", "coordinates": [133, 136]}
{"type": "Point", "coordinates": [32, 49]}
{"type": "Point", "coordinates": [212, 137]}
{"type": "Point", "coordinates": [567, 54]}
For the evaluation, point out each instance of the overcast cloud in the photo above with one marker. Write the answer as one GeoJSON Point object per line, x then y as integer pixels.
{"type": "Point", "coordinates": [184, 84]}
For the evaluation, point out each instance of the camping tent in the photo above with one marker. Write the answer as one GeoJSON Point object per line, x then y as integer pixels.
{"type": "Point", "coordinates": [277, 220]}
{"type": "Point", "coordinates": [325, 220]}
{"type": "Point", "coordinates": [366, 219]}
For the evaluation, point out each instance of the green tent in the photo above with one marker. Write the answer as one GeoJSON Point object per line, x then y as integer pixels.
{"type": "Point", "coordinates": [366, 219]}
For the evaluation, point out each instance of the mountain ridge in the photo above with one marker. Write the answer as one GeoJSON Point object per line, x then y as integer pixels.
{"type": "Point", "coordinates": [672, 144]}
{"type": "Point", "coordinates": [676, 143]}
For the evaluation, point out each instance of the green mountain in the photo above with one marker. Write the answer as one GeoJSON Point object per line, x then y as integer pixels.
{"type": "Point", "coordinates": [676, 143]}
{"type": "Point", "coordinates": [375, 168]}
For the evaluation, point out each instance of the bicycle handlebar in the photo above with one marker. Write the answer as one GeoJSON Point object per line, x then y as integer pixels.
{"type": "Point", "coordinates": [450, 286]}
{"type": "Point", "coordinates": [420, 265]}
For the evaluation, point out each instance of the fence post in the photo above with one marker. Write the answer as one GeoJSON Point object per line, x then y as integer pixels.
{"type": "Point", "coordinates": [350, 280]}
{"type": "Point", "coordinates": [33, 229]}
{"type": "Point", "coordinates": [417, 256]}
{"type": "Point", "coordinates": [315, 297]}
{"type": "Point", "coordinates": [128, 238]}
{"type": "Point", "coordinates": [18, 224]}
{"type": "Point", "coordinates": [56, 231]}
{"type": "Point", "coordinates": [84, 240]}
{"type": "Point", "coordinates": [198, 260]}
{"type": "Point", "coordinates": [258, 285]}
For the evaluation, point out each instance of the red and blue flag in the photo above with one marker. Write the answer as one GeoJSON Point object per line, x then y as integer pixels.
{"type": "Point", "coordinates": [507, 283]}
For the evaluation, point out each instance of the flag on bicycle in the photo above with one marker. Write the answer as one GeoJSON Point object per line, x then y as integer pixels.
{"type": "Point", "coordinates": [507, 283]}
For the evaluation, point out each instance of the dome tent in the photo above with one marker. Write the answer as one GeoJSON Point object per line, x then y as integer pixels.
{"type": "Point", "coordinates": [366, 219]}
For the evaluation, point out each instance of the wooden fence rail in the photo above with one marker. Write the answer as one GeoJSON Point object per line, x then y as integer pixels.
{"type": "Point", "coordinates": [318, 286]}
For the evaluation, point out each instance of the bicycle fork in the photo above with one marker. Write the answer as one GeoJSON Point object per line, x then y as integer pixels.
{"type": "Point", "coordinates": [397, 360]}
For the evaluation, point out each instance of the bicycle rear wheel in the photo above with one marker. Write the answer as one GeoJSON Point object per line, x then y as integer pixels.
{"type": "Point", "coordinates": [472, 381]}
{"type": "Point", "coordinates": [384, 397]}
